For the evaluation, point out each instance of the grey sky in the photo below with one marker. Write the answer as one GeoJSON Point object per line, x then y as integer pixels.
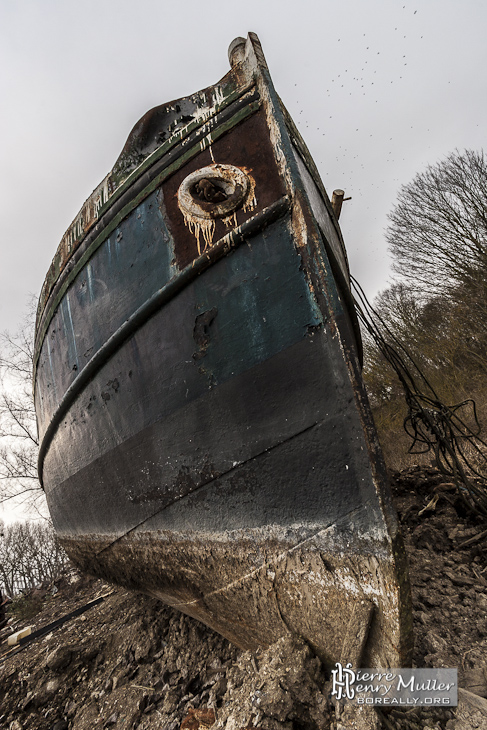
{"type": "Point", "coordinates": [378, 88]}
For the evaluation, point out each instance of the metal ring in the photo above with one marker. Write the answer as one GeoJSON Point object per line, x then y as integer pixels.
{"type": "Point", "coordinates": [232, 181]}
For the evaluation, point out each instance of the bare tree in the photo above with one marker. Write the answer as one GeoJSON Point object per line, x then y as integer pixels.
{"type": "Point", "coordinates": [18, 430]}
{"type": "Point", "coordinates": [438, 229]}
{"type": "Point", "coordinates": [29, 554]}
{"type": "Point", "coordinates": [438, 310]}
{"type": "Point", "coordinates": [446, 337]}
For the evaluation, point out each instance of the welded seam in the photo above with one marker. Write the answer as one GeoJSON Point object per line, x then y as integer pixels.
{"type": "Point", "coordinates": [272, 562]}
{"type": "Point", "coordinates": [219, 476]}
{"type": "Point", "coordinates": [205, 484]}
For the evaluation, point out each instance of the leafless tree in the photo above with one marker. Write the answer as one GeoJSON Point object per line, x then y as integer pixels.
{"type": "Point", "coordinates": [438, 306]}
{"type": "Point", "coordinates": [18, 430]}
{"type": "Point", "coordinates": [446, 337]}
{"type": "Point", "coordinates": [425, 371]}
{"type": "Point", "coordinates": [438, 229]}
{"type": "Point", "coordinates": [29, 555]}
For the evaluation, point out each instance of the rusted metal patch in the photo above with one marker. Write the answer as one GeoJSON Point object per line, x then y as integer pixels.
{"type": "Point", "coordinates": [201, 332]}
{"type": "Point", "coordinates": [137, 191]}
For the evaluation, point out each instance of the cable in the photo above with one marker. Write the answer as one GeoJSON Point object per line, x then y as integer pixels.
{"type": "Point", "coordinates": [431, 424]}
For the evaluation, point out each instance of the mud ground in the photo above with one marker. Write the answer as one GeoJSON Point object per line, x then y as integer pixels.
{"type": "Point", "coordinates": [130, 663]}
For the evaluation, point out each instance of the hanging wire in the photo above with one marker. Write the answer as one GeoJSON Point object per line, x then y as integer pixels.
{"type": "Point", "coordinates": [431, 424]}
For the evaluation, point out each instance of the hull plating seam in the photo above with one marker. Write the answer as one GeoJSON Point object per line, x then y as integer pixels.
{"type": "Point", "coordinates": [205, 484]}
{"type": "Point", "coordinates": [222, 247]}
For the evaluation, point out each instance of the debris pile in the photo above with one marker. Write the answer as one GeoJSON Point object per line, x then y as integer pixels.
{"type": "Point", "coordinates": [130, 663]}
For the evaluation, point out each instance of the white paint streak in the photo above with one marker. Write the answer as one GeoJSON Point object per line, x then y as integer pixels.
{"type": "Point", "coordinates": [204, 227]}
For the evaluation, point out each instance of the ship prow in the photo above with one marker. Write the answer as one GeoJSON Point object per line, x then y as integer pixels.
{"type": "Point", "coordinates": [205, 433]}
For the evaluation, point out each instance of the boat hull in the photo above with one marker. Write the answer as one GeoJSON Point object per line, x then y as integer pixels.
{"type": "Point", "coordinates": [205, 433]}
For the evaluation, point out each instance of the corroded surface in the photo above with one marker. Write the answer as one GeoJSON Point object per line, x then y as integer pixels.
{"type": "Point", "coordinates": [254, 156]}
{"type": "Point", "coordinates": [262, 589]}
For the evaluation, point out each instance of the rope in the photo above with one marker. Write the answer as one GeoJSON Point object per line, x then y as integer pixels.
{"type": "Point", "coordinates": [431, 424]}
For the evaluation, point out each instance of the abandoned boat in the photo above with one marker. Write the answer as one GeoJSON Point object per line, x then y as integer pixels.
{"type": "Point", "coordinates": [205, 436]}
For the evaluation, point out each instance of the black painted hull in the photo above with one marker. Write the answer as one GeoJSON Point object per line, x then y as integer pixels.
{"type": "Point", "coordinates": [205, 435]}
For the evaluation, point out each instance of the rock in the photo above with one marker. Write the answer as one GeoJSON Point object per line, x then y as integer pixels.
{"type": "Point", "coordinates": [460, 580]}
{"type": "Point", "coordinates": [352, 717]}
{"type": "Point", "coordinates": [171, 701]}
{"type": "Point", "coordinates": [53, 686]}
{"type": "Point", "coordinates": [89, 653]}
{"type": "Point", "coordinates": [435, 661]}
{"type": "Point", "coordinates": [482, 627]}
{"type": "Point", "coordinates": [426, 536]}
{"type": "Point", "coordinates": [60, 725]}
{"type": "Point", "coordinates": [59, 658]}
{"type": "Point", "coordinates": [429, 598]}
{"type": "Point", "coordinates": [87, 716]}
{"type": "Point", "coordinates": [220, 687]}
{"type": "Point", "coordinates": [198, 719]}
{"type": "Point", "coordinates": [284, 684]}
{"type": "Point", "coordinates": [435, 643]}
{"type": "Point", "coordinates": [70, 708]}
{"type": "Point", "coordinates": [142, 650]}
{"type": "Point", "coordinates": [27, 700]}
{"type": "Point", "coordinates": [471, 713]}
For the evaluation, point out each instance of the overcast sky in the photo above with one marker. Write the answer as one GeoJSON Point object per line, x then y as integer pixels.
{"type": "Point", "coordinates": [378, 88]}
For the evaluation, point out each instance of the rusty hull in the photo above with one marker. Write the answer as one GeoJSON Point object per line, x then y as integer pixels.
{"type": "Point", "coordinates": [205, 433]}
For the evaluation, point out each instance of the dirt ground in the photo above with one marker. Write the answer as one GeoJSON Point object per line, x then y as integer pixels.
{"type": "Point", "coordinates": [131, 663]}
